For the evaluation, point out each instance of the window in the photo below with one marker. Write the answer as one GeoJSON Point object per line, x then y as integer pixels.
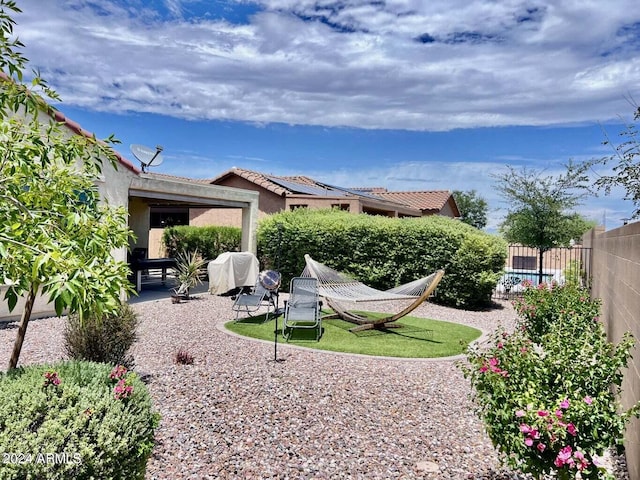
{"type": "Point", "coordinates": [168, 217]}
{"type": "Point", "coordinates": [295, 207]}
{"type": "Point", "coordinates": [341, 206]}
{"type": "Point", "coordinates": [524, 263]}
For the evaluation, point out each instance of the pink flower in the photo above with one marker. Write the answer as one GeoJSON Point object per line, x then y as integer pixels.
{"type": "Point", "coordinates": [541, 447]}
{"type": "Point", "coordinates": [483, 368]}
{"type": "Point", "coordinates": [494, 362]}
{"type": "Point", "coordinates": [51, 378]}
{"type": "Point", "coordinates": [582, 462]}
{"type": "Point", "coordinates": [500, 346]}
{"type": "Point", "coordinates": [118, 372]}
{"type": "Point", "coordinates": [542, 413]}
{"type": "Point", "coordinates": [520, 413]}
{"type": "Point", "coordinates": [523, 350]}
{"type": "Point", "coordinates": [524, 428]}
{"type": "Point", "coordinates": [588, 400]}
{"type": "Point", "coordinates": [571, 428]}
{"type": "Point", "coordinates": [122, 390]}
{"type": "Point", "coordinates": [528, 441]}
{"type": "Point", "coordinates": [564, 457]}
{"type": "Point", "coordinates": [559, 413]}
{"type": "Point", "coordinates": [564, 404]}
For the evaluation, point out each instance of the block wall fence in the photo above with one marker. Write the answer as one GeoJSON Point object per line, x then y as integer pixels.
{"type": "Point", "coordinates": [615, 274]}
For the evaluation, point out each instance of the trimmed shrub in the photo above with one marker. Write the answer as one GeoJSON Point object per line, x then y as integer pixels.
{"type": "Point", "coordinates": [209, 241]}
{"type": "Point", "coordinates": [385, 252]}
{"type": "Point", "coordinates": [548, 393]}
{"type": "Point", "coordinates": [105, 340]}
{"type": "Point", "coordinates": [75, 419]}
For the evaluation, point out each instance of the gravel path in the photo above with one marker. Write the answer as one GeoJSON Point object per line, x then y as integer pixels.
{"type": "Point", "coordinates": [237, 414]}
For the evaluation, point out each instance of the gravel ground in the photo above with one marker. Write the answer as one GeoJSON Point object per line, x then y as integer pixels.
{"type": "Point", "coordinates": [237, 414]}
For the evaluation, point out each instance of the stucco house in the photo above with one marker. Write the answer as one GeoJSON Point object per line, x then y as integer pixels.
{"type": "Point", "coordinates": [279, 193]}
{"type": "Point", "coordinates": [142, 193]}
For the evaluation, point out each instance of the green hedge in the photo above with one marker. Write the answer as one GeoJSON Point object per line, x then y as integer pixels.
{"type": "Point", "coordinates": [209, 241]}
{"type": "Point", "coordinates": [78, 423]}
{"type": "Point", "coordinates": [385, 252]}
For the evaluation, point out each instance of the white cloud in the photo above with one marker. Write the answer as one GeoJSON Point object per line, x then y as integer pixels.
{"type": "Point", "coordinates": [352, 63]}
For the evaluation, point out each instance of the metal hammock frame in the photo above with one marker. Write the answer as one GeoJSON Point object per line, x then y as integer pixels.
{"type": "Point", "coordinates": [337, 288]}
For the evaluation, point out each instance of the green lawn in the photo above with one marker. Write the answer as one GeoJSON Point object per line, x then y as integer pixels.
{"type": "Point", "coordinates": [418, 338]}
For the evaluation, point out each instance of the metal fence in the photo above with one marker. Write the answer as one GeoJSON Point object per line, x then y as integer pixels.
{"type": "Point", "coordinates": [558, 265]}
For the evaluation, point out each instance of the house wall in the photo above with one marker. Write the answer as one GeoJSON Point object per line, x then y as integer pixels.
{"type": "Point", "coordinates": [318, 203]}
{"type": "Point", "coordinates": [269, 202]}
{"type": "Point", "coordinates": [447, 211]}
{"type": "Point", "coordinates": [139, 221]}
{"type": "Point", "coordinates": [615, 272]}
{"type": "Point", "coordinates": [555, 258]}
{"type": "Point", "coordinates": [224, 217]}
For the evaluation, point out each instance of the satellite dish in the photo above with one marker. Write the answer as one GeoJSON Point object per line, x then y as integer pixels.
{"type": "Point", "coordinates": [147, 156]}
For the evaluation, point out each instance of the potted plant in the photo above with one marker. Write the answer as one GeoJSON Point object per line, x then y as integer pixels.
{"type": "Point", "coordinates": [187, 271]}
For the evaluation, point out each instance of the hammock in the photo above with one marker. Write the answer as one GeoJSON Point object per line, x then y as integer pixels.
{"type": "Point", "coordinates": [337, 288]}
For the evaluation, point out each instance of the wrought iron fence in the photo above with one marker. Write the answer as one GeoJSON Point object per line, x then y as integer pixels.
{"type": "Point", "coordinates": [561, 265]}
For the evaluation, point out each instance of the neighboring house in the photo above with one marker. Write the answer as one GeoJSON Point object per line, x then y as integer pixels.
{"type": "Point", "coordinates": [429, 202]}
{"type": "Point", "coordinates": [147, 195]}
{"type": "Point", "coordinates": [279, 193]}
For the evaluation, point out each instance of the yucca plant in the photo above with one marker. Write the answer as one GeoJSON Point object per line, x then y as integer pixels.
{"type": "Point", "coordinates": [187, 271]}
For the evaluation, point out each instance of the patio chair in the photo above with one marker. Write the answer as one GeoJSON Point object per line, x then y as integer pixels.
{"type": "Point", "coordinates": [302, 310]}
{"type": "Point", "coordinates": [263, 293]}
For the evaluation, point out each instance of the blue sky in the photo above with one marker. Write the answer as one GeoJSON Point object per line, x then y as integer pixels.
{"type": "Point", "coordinates": [404, 94]}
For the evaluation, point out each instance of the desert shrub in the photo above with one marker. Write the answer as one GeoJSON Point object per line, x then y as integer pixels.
{"type": "Point", "coordinates": [385, 252]}
{"type": "Point", "coordinates": [75, 419]}
{"type": "Point", "coordinates": [107, 339]}
{"type": "Point", "coordinates": [210, 241]}
{"type": "Point", "coordinates": [551, 404]}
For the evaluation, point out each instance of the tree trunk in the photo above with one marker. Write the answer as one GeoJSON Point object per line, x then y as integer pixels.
{"type": "Point", "coordinates": [540, 258]}
{"type": "Point", "coordinates": [22, 329]}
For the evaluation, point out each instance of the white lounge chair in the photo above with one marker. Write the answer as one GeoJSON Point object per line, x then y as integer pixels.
{"type": "Point", "coordinates": [302, 310]}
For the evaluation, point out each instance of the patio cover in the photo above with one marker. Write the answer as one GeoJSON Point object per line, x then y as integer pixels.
{"type": "Point", "coordinates": [231, 270]}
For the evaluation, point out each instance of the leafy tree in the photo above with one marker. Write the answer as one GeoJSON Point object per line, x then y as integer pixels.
{"type": "Point", "coordinates": [539, 206]}
{"type": "Point", "coordinates": [626, 173]}
{"type": "Point", "coordinates": [57, 236]}
{"type": "Point", "coordinates": [473, 208]}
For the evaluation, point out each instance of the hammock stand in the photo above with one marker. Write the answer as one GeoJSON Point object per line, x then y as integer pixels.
{"type": "Point", "coordinates": [336, 287]}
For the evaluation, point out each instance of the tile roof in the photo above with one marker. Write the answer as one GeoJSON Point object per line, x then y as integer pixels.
{"type": "Point", "coordinates": [426, 201]}
{"type": "Point", "coordinates": [433, 200]}
{"type": "Point", "coordinates": [294, 184]}
{"type": "Point", "coordinates": [253, 177]}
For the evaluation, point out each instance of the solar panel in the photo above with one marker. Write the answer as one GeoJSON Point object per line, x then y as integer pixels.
{"type": "Point", "coordinates": [353, 192]}
{"type": "Point", "coordinates": [307, 189]}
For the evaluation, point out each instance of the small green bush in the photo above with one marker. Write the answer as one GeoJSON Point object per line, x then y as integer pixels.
{"type": "Point", "coordinates": [385, 252]}
{"type": "Point", "coordinates": [209, 241]}
{"type": "Point", "coordinates": [105, 340]}
{"type": "Point", "coordinates": [75, 419]}
{"type": "Point", "coordinates": [548, 393]}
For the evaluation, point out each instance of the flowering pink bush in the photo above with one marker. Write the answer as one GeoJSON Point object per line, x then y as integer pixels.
{"type": "Point", "coordinates": [68, 409]}
{"type": "Point", "coordinates": [545, 391]}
